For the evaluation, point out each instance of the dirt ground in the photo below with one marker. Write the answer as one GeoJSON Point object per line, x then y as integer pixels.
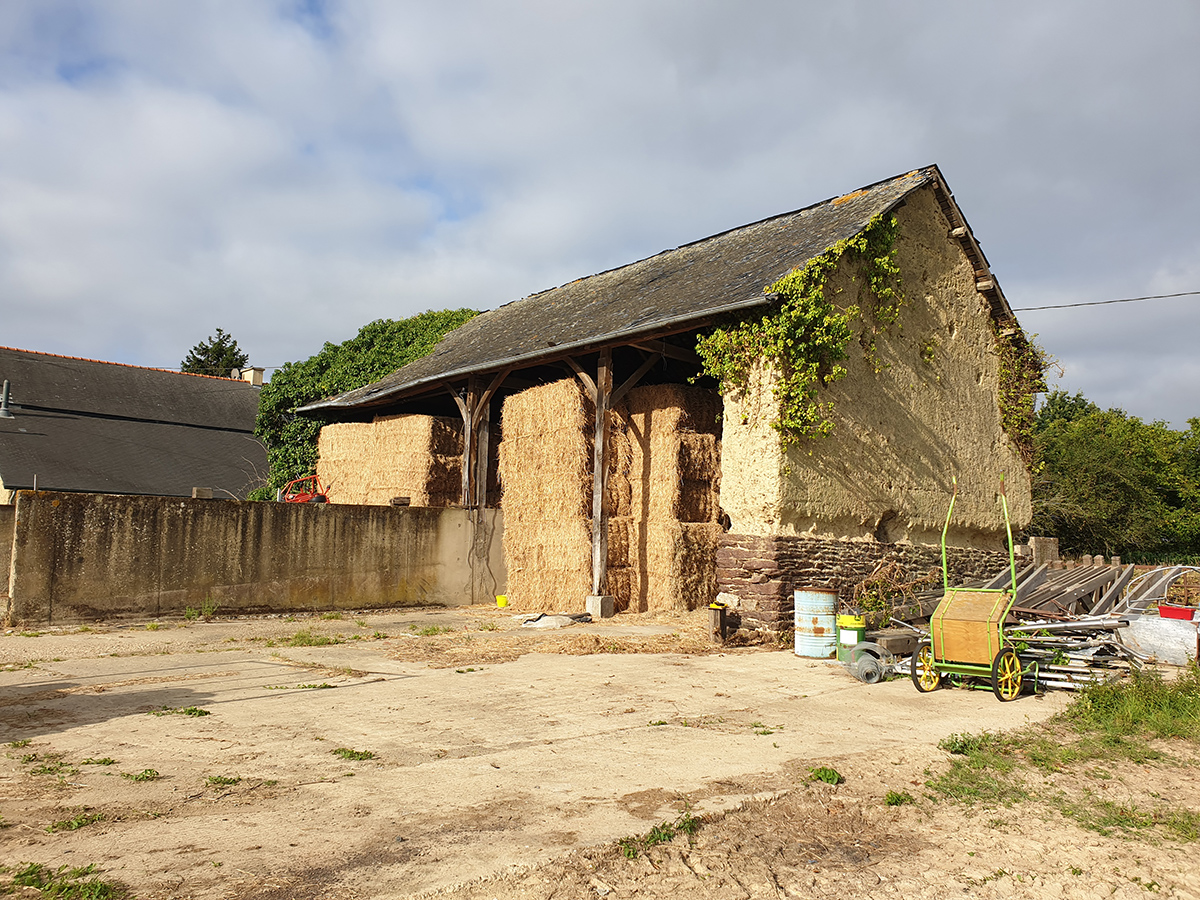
{"type": "Point", "coordinates": [507, 762]}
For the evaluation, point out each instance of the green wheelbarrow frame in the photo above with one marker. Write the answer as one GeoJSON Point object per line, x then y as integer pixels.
{"type": "Point", "coordinates": [966, 631]}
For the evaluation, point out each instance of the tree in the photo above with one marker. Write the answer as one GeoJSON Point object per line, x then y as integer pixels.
{"type": "Point", "coordinates": [379, 349]}
{"type": "Point", "coordinates": [1106, 481]}
{"type": "Point", "coordinates": [216, 356]}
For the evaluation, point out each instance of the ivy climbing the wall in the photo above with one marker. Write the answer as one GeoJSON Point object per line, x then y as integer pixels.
{"type": "Point", "coordinates": [1022, 375]}
{"type": "Point", "coordinates": [805, 336]}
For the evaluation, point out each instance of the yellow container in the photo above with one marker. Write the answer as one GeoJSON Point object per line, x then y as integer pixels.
{"type": "Point", "coordinates": [501, 600]}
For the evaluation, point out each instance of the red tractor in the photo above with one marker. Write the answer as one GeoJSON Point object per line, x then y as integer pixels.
{"type": "Point", "coordinates": [305, 490]}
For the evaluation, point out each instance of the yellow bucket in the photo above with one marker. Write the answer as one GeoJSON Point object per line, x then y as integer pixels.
{"type": "Point", "coordinates": [501, 600]}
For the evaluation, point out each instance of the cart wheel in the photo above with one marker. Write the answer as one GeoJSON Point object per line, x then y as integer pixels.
{"type": "Point", "coordinates": [1007, 677]}
{"type": "Point", "coordinates": [924, 674]}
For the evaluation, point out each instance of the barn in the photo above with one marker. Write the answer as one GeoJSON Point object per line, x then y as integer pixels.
{"type": "Point", "coordinates": [783, 404]}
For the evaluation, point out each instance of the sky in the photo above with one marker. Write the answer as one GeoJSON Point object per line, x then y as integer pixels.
{"type": "Point", "coordinates": [290, 171]}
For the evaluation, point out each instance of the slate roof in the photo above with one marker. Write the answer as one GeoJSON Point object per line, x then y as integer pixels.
{"type": "Point", "coordinates": [86, 425]}
{"type": "Point", "coordinates": [674, 291]}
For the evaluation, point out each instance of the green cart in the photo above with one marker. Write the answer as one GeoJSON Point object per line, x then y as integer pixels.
{"type": "Point", "coordinates": [966, 631]}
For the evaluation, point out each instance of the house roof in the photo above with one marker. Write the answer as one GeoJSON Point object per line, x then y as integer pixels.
{"type": "Point", "coordinates": [673, 291]}
{"type": "Point", "coordinates": [87, 425]}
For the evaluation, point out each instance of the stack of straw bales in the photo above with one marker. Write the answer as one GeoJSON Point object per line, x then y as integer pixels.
{"type": "Point", "coordinates": [419, 457]}
{"type": "Point", "coordinates": [662, 496]}
{"type": "Point", "coordinates": [545, 472]}
{"type": "Point", "coordinates": [675, 499]}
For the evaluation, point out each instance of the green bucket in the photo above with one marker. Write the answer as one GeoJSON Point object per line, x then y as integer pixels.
{"type": "Point", "coordinates": [852, 630]}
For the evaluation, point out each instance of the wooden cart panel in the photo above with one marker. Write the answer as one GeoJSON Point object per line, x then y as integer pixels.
{"type": "Point", "coordinates": [966, 627]}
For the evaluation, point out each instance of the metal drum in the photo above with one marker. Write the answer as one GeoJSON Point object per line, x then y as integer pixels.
{"type": "Point", "coordinates": [816, 626]}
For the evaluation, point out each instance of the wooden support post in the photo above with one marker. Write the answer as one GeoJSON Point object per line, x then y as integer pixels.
{"type": "Point", "coordinates": [600, 475]}
{"type": "Point", "coordinates": [481, 461]}
{"type": "Point", "coordinates": [468, 460]}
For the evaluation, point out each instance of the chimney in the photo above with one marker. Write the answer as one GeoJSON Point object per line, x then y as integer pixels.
{"type": "Point", "coordinates": [251, 374]}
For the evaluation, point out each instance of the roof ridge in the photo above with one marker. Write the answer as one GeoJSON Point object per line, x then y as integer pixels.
{"type": "Point", "coordinates": [106, 362]}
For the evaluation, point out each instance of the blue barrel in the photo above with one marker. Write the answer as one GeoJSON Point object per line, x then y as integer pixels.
{"type": "Point", "coordinates": [816, 624]}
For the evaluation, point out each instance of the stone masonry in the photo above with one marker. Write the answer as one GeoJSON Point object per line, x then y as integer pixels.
{"type": "Point", "coordinates": [762, 572]}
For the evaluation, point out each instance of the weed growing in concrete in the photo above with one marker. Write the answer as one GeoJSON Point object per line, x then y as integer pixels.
{"type": "Point", "coordinates": [898, 798]}
{"type": "Point", "coordinates": [75, 822]}
{"type": "Point", "coordinates": [100, 761]}
{"type": "Point", "coordinates": [825, 774]}
{"type": "Point", "coordinates": [223, 780]}
{"type": "Point", "coordinates": [208, 608]}
{"type": "Point", "coordinates": [180, 711]}
{"type": "Point", "coordinates": [191, 614]}
{"type": "Point", "coordinates": [347, 753]}
{"type": "Point", "coordinates": [431, 630]}
{"type": "Point", "coordinates": [662, 833]}
{"type": "Point", "coordinates": [306, 638]}
{"type": "Point", "coordinates": [63, 883]}
{"type": "Point", "coordinates": [144, 775]}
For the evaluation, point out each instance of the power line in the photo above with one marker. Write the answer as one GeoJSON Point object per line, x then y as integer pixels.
{"type": "Point", "coordinates": [1106, 302]}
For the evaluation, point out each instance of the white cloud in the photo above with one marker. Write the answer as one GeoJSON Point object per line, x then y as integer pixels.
{"type": "Point", "coordinates": [291, 170]}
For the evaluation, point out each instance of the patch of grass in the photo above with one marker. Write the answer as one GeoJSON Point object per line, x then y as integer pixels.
{"type": "Point", "coordinates": [468, 669]}
{"type": "Point", "coordinates": [99, 761]}
{"type": "Point", "coordinates": [63, 883]}
{"type": "Point", "coordinates": [180, 711]}
{"type": "Point", "coordinates": [662, 833]}
{"type": "Point", "coordinates": [827, 774]}
{"type": "Point", "coordinates": [144, 775]}
{"type": "Point", "coordinates": [431, 630]}
{"type": "Point", "coordinates": [1104, 817]}
{"type": "Point", "coordinates": [51, 764]}
{"type": "Point", "coordinates": [331, 615]}
{"type": "Point", "coordinates": [222, 780]}
{"type": "Point", "coordinates": [379, 636]}
{"type": "Point", "coordinates": [191, 614]}
{"type": "Point", "coordinates": [31, 633]}
{"type": "Point", "coordinates": [17, 745]}
{"type": "Point", "coordinates": [208, 608]}
{"type": "Point", "coordinates": [76, 822]}
{"type": "Point", "coordinates": [1145, 705]}
{"type": "Point", "coordinates": [488, 626]}
{"type": "Point", "coordinates": [658, 722]}
{"type": "Point", "coordinates": [899, 798]}
{"type": "Point", "coordinates": [315, 687]}
{"type": "Point", "coordinates": [760, 728]}
{"type": "Point", "coordinates": [305, 638]}
{"type": "Point", "coordinates": [347, 753]}
{"type": "Point", "coordinates": [152, 626]}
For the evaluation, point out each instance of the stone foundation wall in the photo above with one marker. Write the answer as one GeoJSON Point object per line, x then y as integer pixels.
{"type": "Point", "coordinates": [762, 572]}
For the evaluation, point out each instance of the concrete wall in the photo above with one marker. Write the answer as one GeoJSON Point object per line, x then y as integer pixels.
{"type": "Point", "coordinates": [79, 557]}
{"type": "Point", "coordinates": [900, 433]}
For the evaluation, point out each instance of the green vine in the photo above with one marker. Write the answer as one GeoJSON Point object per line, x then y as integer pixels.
{"type": "Point", "coordinates": [1022, 368]}
{"type": "Point", "coordinates": [805, 335]}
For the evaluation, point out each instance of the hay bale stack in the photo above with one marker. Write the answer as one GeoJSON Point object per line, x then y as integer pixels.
{"type": "Point", "coordinates": [419, 457]}
{"type": "Point", "coordinates": [675, 495]}
{"type": "Point", "coordinates": [661, 497]}
{"type": "Point", "coordinates": [545, 465]}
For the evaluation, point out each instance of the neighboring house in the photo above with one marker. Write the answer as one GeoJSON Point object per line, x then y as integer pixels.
{"type": "Point", "coordinates": [924, 404]}
{"type": "Point", "coordinates": [97, 427]}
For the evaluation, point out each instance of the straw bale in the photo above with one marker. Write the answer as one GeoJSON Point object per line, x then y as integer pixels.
{"type": "Point", "coordinates": [674, 408]}
{"type": "Point", "coordinates": [419, 457]}
{"type": "Point", "coordinates": [619, 528]}
{"type": "Point", "coordinates": [680, 571]}
{"type": "Point", "coordinates": [699, 458]}
{"type": "Point", "coordinates": [621, 586]}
